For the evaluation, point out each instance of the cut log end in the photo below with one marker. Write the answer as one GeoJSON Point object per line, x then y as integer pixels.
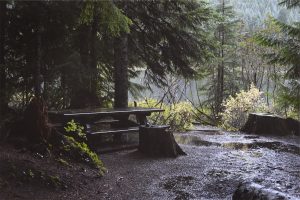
{"type": "Point", "coordinates": [158, 141]}
{"type": "Point", "coordinates": [270, 124]}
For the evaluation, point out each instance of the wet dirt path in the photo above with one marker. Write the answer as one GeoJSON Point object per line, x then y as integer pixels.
{"type": "Point", "coordinates": [216, 163]}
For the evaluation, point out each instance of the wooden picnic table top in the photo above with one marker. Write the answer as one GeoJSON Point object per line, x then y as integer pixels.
{"type": "Point", "coordinates": [105, 111]}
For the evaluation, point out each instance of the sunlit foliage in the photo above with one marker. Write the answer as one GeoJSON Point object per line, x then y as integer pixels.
{"type": "Point", "coordinates": [237, 108]}
{"type": "Point", "coordinates": [178, 115]}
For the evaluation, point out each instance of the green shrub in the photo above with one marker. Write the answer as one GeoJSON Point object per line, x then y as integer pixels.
{"type": "Point", "coordinates": [238, 108]}
{"type": "Point", "coordinates": [178, 115]}
{"type": "Point", "coordinates": [81, 152]}
{"type": "Point", "coordinates": [75, 130]}
{"type": "Point", "coordinates": [76, 148]}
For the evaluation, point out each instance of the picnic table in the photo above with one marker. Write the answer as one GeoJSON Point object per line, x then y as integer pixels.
{"type": "Point", "coordinates": [117, 119]}
{"type": "Point", "coordinates": [90, 115]}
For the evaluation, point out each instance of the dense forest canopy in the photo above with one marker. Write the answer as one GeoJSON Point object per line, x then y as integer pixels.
{"type": "Point", "coordinates": [147, 81]}
{"type": "Point", "coordinates": [86, 53]}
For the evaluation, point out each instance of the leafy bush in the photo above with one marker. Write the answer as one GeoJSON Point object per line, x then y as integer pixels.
{"type": "Point", "coordinates": [178, 115]}
{"type": "Point", "coordinates": [75, 130]}
{"type": "Point", "coordinates": [81, 152]}
{"type": "Point", "coordinates": [238, 108]}
{"type": "Point", "coordinates": [76, 148]}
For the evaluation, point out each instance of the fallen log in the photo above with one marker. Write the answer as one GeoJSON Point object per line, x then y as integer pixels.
{"type": "Point", "coordinates": [270, 124]}
{"type": "Point", "coordinates": [158, 141]}
{"type": "Point", "coordinates": [252, 191]}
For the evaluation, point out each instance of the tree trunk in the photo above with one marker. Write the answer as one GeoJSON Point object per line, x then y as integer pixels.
{"type": "Point", "coordinates": [84, 34]}
{"type": "Point", "coordinates": [157, 141]}
{"type": "Point", "coordinates": [93, 55]}
{"type": "Point", "coordinates": [3, 102]}
{"type": "Point", "coordinates": [37, 74]}
{"type": "Point", "coordinates": [34, 125]}
{"type": "Point", "coordinates": [220, 73]}
{"type": "Point", "coordinates": [121, 71]}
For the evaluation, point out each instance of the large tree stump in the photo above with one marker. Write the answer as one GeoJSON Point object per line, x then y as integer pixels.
{"type": "Point", "coordinates": [270, 124]}
{"type": "Point", "coordinates": [158, 141]}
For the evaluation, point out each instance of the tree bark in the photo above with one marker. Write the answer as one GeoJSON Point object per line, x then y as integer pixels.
{"type": "Point", "coordinates": [84, 34]}
{"type": "Point", "coordinates": [37, 74]}
{"type": "Point", "coordinates": [121, 71]}
{"type": "Point", "coordinates": [3, 24]}
{"type": "Point", "coordinates": [220, 72]}
{"type": "Point", "coordinates": [93, 54]}
{"type": "Point", "coordinates": [34, 125]}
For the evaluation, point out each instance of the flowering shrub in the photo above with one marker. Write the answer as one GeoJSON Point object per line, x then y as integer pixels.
{"type": "Point", "coordinates": [178, 115]}
{"type": "Point", "coordinates": [238, 108]}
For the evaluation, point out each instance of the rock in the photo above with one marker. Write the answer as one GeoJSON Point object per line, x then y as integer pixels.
{"type": "Point", "coordinates": [254, 191]}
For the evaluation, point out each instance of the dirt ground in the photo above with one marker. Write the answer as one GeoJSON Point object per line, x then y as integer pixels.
{"type": "Point", "coordinates": [215, 164]}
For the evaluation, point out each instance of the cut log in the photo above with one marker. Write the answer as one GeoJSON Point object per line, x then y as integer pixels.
{"type": "Point", "coordinates": [250, 191]}
{"type": "Point", "coordinates": [158, 141]}
{"type": "Point", "coordinates": [294, 126]}
{"type": "Point", "coordinates": [270, 124]}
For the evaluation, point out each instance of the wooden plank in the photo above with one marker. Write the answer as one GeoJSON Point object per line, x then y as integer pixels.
{"type": "Point", "coordinates": [106, 121]}
{"type": "Point", "coordinates": [105, 111]}
{"type": "Point", "coordinates": [115, 131]}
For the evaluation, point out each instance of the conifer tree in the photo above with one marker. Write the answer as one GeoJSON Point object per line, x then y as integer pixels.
{"type": "Point", "coordinates": [286, 47]}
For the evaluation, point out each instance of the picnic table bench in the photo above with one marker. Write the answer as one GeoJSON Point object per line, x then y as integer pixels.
{"type": "Point", "coordinates": [116, 120]}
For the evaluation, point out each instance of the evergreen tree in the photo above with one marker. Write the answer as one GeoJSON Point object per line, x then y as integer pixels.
{"type": "Point", "coordinates": [222, 69]}
{"type": "Point", "coordinates": [3, 25]}
{"type": "Point", "coordinates": [286, 47]}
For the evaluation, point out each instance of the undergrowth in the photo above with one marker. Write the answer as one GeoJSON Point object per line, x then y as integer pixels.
{"type": "Point", "coordinates": [82, 153]}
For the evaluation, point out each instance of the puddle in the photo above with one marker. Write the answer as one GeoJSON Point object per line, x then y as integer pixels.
{"type": "Point", "coordinates": [227, 141]}
{"type": "Point", "coordinates": [276, 146]}
{"type": "Point", "coordinates": [193, 140]}
{"type": "Point", "coordinates": [208, 132]}
{"type": "Point", "coordinates": [251, 137]}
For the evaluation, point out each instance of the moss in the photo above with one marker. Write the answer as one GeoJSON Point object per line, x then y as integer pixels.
{"type": "Point", "coordinates": [81, 152]}
{"type": "Point", "coordinates": [54, 181]}
{"type": "Point", "coordinates": [63, 162]}
{"type": "Point", "coordinates": [28, 175]}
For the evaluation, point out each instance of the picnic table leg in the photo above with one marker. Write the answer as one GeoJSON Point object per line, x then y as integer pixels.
{"type": "Point", "coordinates": [142, 119]}
{"type": "Point", "coordinates": [117, 137]}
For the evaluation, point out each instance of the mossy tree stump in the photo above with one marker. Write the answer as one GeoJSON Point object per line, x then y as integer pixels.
{"type": "Point", "coordinates": [270, 124]}
{"type": "Point", "coordinates": [158, 141]}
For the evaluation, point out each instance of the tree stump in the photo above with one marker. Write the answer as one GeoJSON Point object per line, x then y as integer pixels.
{"type": "Point", "coordinates": [158, 141]}
{"type": "Point", "coordinates": [270, 124]}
